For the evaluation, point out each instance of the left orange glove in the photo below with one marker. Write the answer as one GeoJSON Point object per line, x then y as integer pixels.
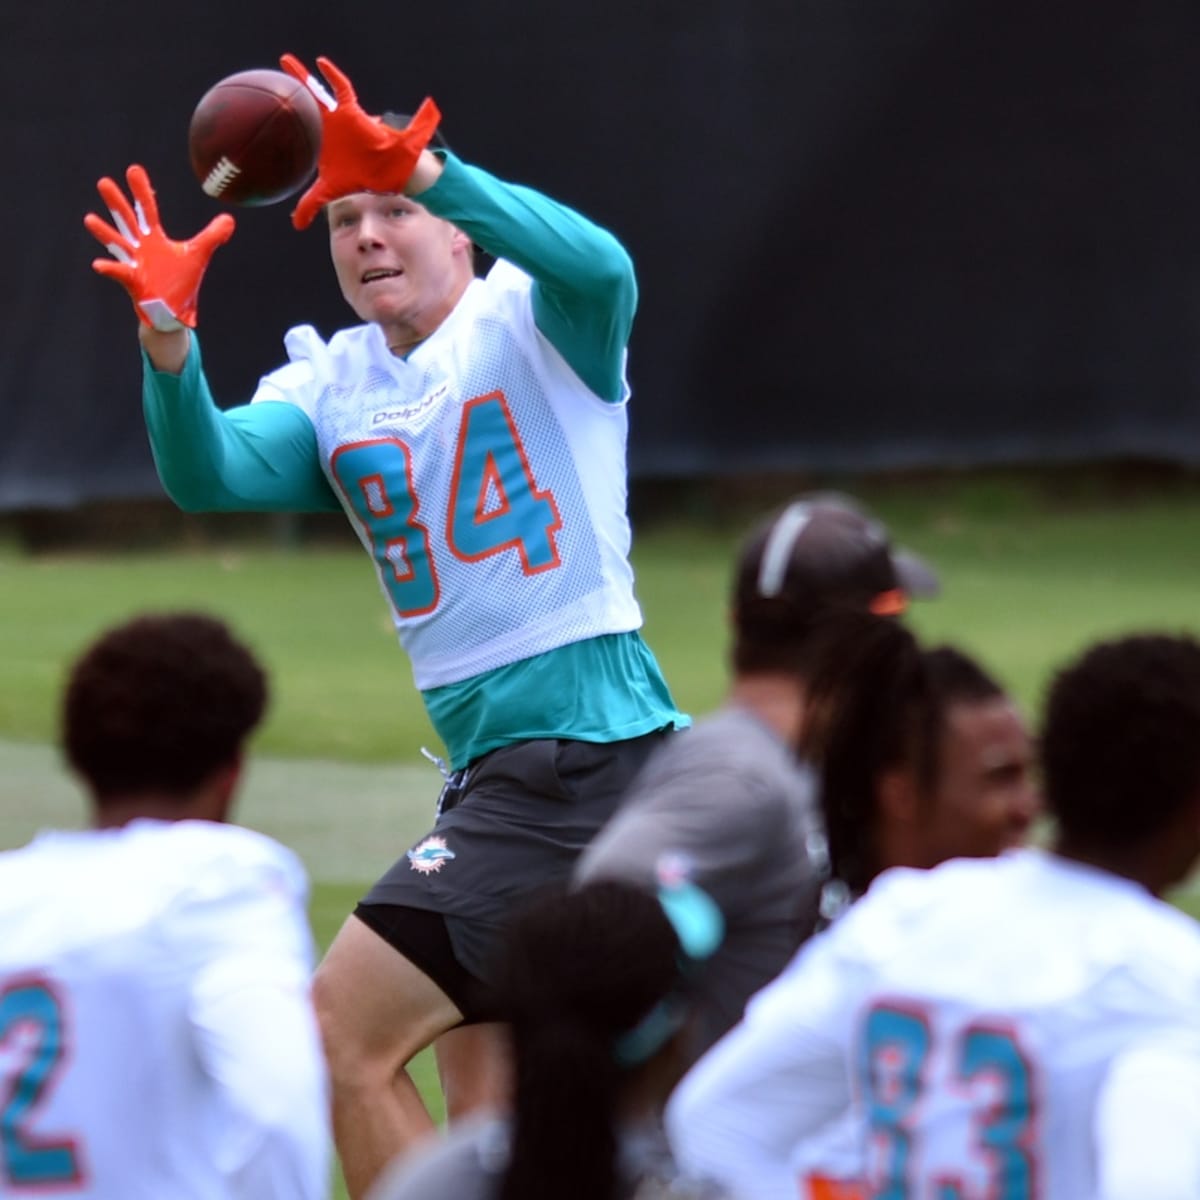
{"type": "Point", "coordinates": [359, 153]}
{"type": "Point", "coordinates": [162, 277]}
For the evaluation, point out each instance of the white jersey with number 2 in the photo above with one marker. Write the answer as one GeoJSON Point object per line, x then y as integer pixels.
{"type": "Point", "coordinates": [156, 1035]}
{"type": "Point", "coordinates": [1012, 1028]}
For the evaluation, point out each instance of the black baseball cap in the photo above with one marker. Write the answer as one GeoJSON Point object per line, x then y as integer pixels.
{"type": "Point", "coordinates": [823, 550]}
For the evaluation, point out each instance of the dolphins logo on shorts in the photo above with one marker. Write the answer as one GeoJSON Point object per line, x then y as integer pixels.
{"type": "Point", "coordinates": [430, 856]}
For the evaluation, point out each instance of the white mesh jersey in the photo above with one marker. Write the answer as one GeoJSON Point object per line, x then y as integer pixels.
{"type": "Point", "coordinates": [156, 1034]}
{"type": "Point", "coordinates": [1012, 1028]}
{"type": "Point", "coordinates": [485, 478]}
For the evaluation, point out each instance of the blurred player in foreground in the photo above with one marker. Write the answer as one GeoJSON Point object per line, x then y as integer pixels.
{"type": "Point", "coordinates": [728, 805]}
{"type": "Point", "coordinates": [474, 432]}
{"type": "Point", "coordinates": [1022, 1027]}
{"type": "Point", "coordinates": [595, 985]}
{"type": "Point", "coordinates": [922, 758]}
{"type": "Point", "coordinates": [156, 1033]}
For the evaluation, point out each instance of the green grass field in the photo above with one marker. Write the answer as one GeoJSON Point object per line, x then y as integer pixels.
{"type": "Point", "coordinates": [1033, 567]}
{"type": "Point", "coordinates": [1030, 572]}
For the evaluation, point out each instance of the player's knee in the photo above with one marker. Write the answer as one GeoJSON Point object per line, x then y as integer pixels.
{"type": "Point", "coordinates": [366, 1039]}
{"type": "Point", "coordinates": [348, 1049]}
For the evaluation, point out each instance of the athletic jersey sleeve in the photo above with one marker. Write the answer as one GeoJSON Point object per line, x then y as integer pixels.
{"type": "Point", "coordinates": [777, 1078]}
{"type": "Point", "coordinates": [255, 458]}
{"type": "Point", "coordinates": [1147, 1124]}
{"type": "Point", "coordinates": [243, 930]}
{"type": "Point", "coordinates": [584, 291]}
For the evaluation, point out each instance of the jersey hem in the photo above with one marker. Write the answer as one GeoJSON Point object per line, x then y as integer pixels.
{"type": "Point", "coordinates": [659, 721]}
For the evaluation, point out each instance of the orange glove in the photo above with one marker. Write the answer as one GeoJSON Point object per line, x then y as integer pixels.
{"type": "Point", "coordinates": [359, 153]}
{"type": "Point", "coordinates": [162, 277]}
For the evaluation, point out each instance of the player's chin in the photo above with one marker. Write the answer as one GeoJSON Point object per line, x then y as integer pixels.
{"type": "Point", "coordinates": [383, 301]}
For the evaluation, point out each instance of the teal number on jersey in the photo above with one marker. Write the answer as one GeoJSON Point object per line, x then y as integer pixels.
{"type": "Point", "coordinates": [895, 1047]}
{"type": "Point", "coordinates": [376, 479]}
{"type": "Point", "coordinates": [1004, 1133]}
{"type": "Point", "coordinates": [896, 1051]}
{"type": "Point", "coordinates": [495, 504]}
{"type": "Point", "coordinates": [30, 1011]}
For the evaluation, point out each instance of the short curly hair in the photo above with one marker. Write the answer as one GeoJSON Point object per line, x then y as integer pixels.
{"type": "Point", "coordinates": [1120, 747]}
{"type": "Point", "coordinates": [158, 704]}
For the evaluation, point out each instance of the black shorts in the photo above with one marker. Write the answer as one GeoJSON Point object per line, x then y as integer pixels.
{"type": "Point", "coordinates": [510, 824]}
{"type": "Point", "coordinates": [422, 937]}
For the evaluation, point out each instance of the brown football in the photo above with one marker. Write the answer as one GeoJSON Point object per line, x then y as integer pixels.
{"type": "Point", "coordinates": [254, 138]}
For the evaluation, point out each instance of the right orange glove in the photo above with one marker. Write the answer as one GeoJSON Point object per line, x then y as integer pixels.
{"type": "Point", "coordinates": [161, 276]}
{"type": "Point", "coordinates": [359, 153]}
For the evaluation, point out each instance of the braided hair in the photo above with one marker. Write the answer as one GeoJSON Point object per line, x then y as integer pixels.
{"type": "Point", "coordinates": [870, 705]}
{"type": "Point", "coordinates": [578, 970]}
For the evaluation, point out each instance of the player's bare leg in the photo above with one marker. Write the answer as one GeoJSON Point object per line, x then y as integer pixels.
{"type": "Point", "coordinates": [474, 1069]}
{"type": "Point", "coordinates": [376, 1010]}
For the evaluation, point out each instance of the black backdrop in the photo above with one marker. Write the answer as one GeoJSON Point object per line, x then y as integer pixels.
{"type": "Point", "coordinates": [869, 233]}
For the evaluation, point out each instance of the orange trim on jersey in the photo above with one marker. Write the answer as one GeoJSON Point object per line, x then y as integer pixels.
{"type": "Point", "coordinates": [491, 484]}
{"type": "Point", "coordinates": [491, 473]}
{"type": "Point", "coordinates": [890, 603]}
{"type": "Point", "coordinates": [375, 495]}
{"type": "Point", "coordinates": [396, 550]}
{"type": "Point", "coordinates": [387, 509]}
{"type": "Point", "coordinates": [819, 1187]}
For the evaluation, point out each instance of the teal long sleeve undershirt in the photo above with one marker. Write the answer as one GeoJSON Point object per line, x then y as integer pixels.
{"type": "Point", "coordinates": [584, 290]}
{"type": "Point", "coordinates": [257, 458]}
